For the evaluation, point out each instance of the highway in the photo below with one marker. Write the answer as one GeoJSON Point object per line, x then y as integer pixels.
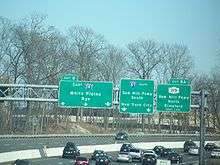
{"type": "Point", "coordinates": [16, 144]}
{"type": "Point", "coordinates": [187, 160]}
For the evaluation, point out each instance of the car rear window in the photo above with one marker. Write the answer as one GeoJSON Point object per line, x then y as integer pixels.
{"type": "Point", "coordinates": [134, 150]}
{"type": "Point", "coordinates": [81, 158]}
{"type": "Point", "coordinates": [146, 156]}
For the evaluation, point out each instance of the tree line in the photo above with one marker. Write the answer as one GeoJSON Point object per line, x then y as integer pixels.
{"type": "Point", "coordinates": [33, 52]}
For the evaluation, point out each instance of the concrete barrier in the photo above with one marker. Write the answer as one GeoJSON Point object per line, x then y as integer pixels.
{"type": "Point", "coordinates": [24, 154]}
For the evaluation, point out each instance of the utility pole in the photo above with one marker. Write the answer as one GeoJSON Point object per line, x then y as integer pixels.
{"type": "Point", "coordinates": [202, 127]}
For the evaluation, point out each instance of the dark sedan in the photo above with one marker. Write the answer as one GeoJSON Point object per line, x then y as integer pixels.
{"type": "Point", "coordinates": [102, 160]}
{"type": "Point", "coordinates": [70, 151]}
{"type": "Point", "coordinates": [175, 158]}
{"type": "Point", "coordinates": [210, 146]}
{"type": "Point", "coordinates": [187, 145]}
{"type": "Point", "coordinates": [149, 159]}
{"type": "Point", "coordinates": [121, 136]}
{"type": "Point", "coordinates": [166, 152]}
{"type": "Point", "coordinates": [158, 150]}
{"type": "Point", "coordinates": [97, 153]}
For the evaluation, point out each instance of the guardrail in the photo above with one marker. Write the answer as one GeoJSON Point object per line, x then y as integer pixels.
{"type": "Point", "coordinates": [97, 135]}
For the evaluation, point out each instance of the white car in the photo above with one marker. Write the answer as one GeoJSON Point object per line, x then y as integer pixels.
{"type": "Point", "coordinates": [215, 153]}
{"type": "Point", "coordinates": [194, 150]}
{"type": "Point", "coordinates": [150, 152]}
{"type": "Point", "coordinates": [124, 157]}
{"type": "Point", "coordinates": [135, 153]}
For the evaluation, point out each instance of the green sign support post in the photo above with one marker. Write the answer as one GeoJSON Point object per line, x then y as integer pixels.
{"type": "Point", "coordinates": [136, 96]}
{"type": "Point", "coordinates": [85, 94]}
{"type": "Point", "coordinates": [173, 98]}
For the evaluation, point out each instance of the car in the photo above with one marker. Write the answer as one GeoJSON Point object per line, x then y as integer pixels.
{"type": "Point", "coordinates": [126, 147]}
{"type": "Point", "coordinates": [166, 152]}
{"type": "Point", "coordinates": [97, 153]}
{"type": "Point", "coordinates": [136, 154]}
{"type": "Point", "coordinates": [102, 160]}
{"type": "Point", "coordinates": [175, 158]}
{"type": "Point", "coordinates": [193, 150]}
{"type": "Point", "coordinates": [21, 162]}
{"type": "Point", "coordinates": [70, 151]}
{"type": "Point", "coordinates": [124, 157]}
{"type": "Point", "coordinates": [210, 146]}
{"type": "Point", "coordinates": [149, 159]}
{"type": "Point", "coordinates": [215, 153]}
{"type": "Point", "coordinates": [187, 145]}
{"type": "Point", "coordinates": [158, 150]}
{"type": "Point", "coordinates": [81, 161]}
{"type": "Point", "coordinates": [121, 136]}
{"type": "Point", "coordinates": [149, 152]}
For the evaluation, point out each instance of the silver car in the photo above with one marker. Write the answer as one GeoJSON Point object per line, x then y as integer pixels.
{"type": "Point", "coordinates": [215, 153]}
{"type": "Point", "coordinates": [124, 157]}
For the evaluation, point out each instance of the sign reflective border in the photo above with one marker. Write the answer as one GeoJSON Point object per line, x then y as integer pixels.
{"type": "Point", "coordinates": [85, 94]}
{"type": "Point", "coordinates": [173, 98]}
{"type": "Point", "coordinates": [136, 96]}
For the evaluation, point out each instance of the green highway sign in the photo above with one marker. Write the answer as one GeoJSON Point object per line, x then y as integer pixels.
{"type": "Point", "coordinates": [179, 81]}
{"type": "Point", "coordinates": [70, 77]}
{"type": "Point", "coordinates": [136, 96]}
{"type": "Point", "coordinates": [173, 98]}
{"type": "Point", "coordinates": [85, 94]}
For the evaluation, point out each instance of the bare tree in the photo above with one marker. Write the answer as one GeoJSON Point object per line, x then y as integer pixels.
{"type": "Point", "coordinates": [144, 56]}
{"type": "Point", "coordinates": [177, 63]}
{"type": "Point", "coordinates": [85, 48]}
{"type": "Point", "coordinates": [111, 67]}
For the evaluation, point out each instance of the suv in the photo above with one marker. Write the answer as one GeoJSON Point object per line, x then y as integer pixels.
{"type": "Point", "coordinates": [158, 150]}
{"type": "Point", "coordinates": [126, 147]}
{"type": "Point", "coordinates": [70, 151]}
{"type": "Point", "coordinates": [187, 145]}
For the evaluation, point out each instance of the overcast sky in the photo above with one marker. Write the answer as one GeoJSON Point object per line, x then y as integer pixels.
{"type": "Point", "coordinates": [195, 23]}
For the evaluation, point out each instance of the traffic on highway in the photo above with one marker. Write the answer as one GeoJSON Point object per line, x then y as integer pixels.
{"type": "Point", "coordinates": [130, 154]}
{"type": "Point", "coordinates": [109, 82]}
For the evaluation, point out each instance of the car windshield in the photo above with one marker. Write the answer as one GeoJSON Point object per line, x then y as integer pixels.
{"type": "Point", "coordinates": [134, 150]}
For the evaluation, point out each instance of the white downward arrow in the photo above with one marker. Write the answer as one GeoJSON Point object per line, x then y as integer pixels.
{"type": "Point", "coordinates": [108, 104]}
{"type": "Point", "coordinates": [123, 109]}
{"type": "Point", "coordinates": [148, 109]}
{"type": "Point", "coordinates": [85, 104]}
{"type": "Point", "coordinates": [62, 103]}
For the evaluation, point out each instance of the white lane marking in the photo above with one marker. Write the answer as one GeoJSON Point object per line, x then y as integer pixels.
{"type": "Point", "coordinates": [60, 162]}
